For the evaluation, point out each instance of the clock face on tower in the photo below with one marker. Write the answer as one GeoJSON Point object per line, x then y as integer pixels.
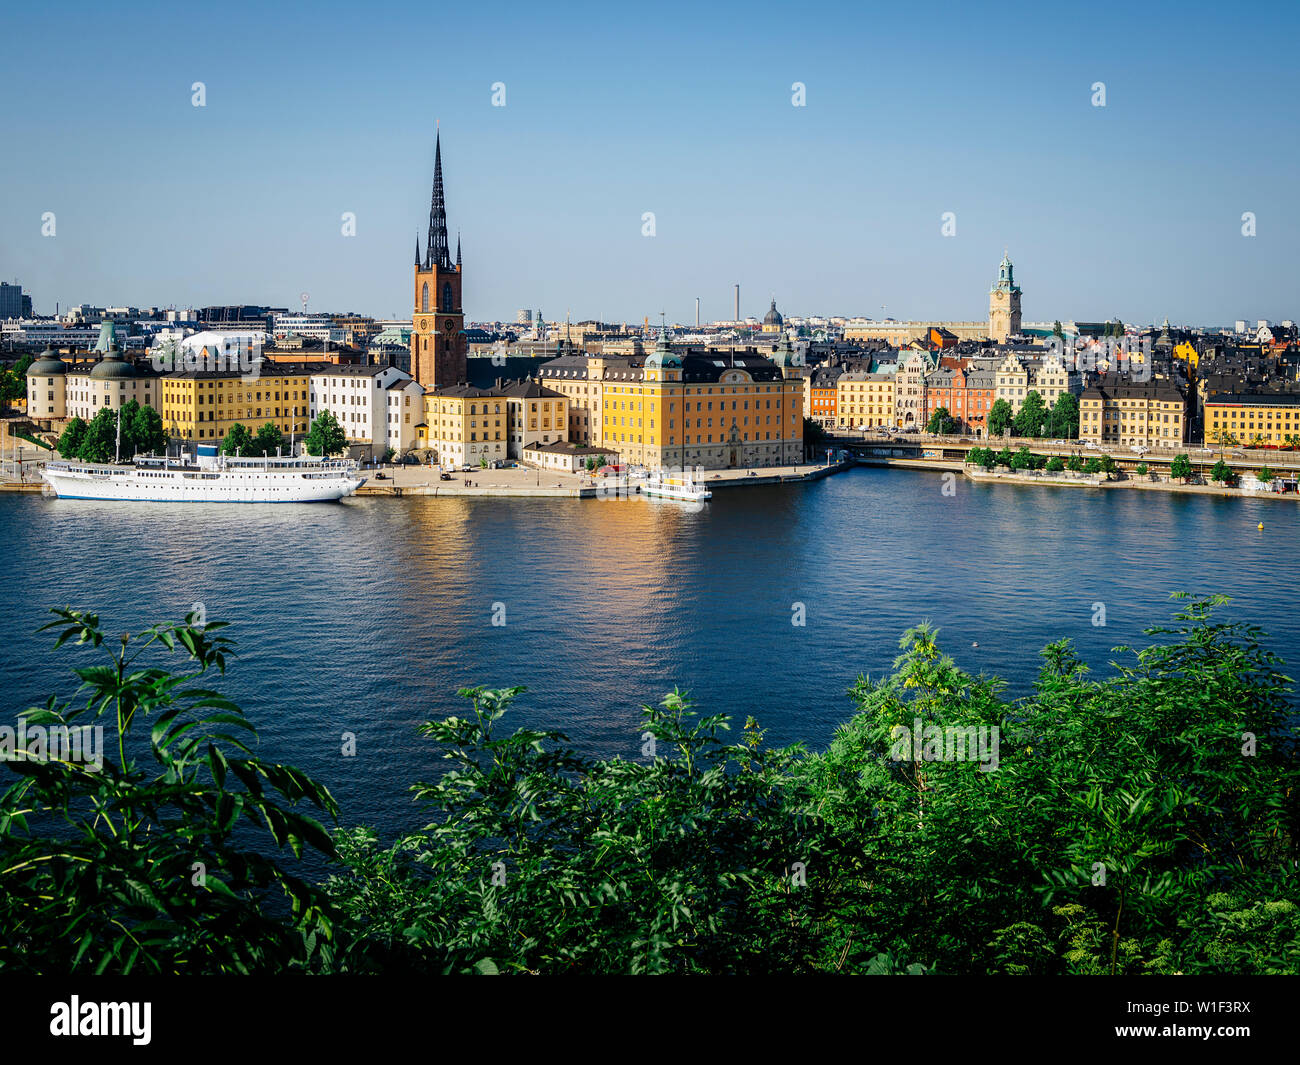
{"type": "Point", "coordinates": [449, 327]}
{"type": "Point", "coordinates": [424, 324]}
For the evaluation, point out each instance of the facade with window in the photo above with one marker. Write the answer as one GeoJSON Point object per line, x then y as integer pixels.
{"type": "Point", "coordinates": [1253, 419]}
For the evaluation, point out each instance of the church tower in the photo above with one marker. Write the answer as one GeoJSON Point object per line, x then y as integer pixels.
{"type": "Point", "coordinates": [1004, 304]}
{"type": "Point", "coordinates": [438, 344]}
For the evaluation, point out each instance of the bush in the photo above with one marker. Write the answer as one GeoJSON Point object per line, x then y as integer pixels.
{"type": "Point", "coordinates": [973, 847]}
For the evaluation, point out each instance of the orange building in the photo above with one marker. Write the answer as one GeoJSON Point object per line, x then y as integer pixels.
{"type": "Point", "coordinates": [821, 400]}
{"type": "Point", "coordinates": [968, 395]}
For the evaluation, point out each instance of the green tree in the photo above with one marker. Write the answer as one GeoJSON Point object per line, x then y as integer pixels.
{"type": "Point", "coordinates": [970, 847]}
{"type": "Point", "coordinates": [103, 879]}
{"type": "Point", "coordinates": [1055, 464]}
{"type": "Point", "coordinates": [1092, 466]}
{"type": "Point", "coordinates": [326, 437]}
{"type": "Point", "coordinates": [1057, 331]}
{"type": "Point", "coordinates": [1063, 420]}
{"type": "Point", "coordinates": [23, 365]}
{"type": "Point", "coordinates": [1075, 463]}
{"type": "Point", "coordinates": [813, 433]}
{"type": "Point", "coordinates": [941, 422]}
{"type": "Point", "coordinates": [99, 444]}
{"type": "Point", "coordinates": [1181, 468]}
{"type": "Point", "coordinates": [1221, 472]}
{"type": "Point", "coordinates": [1142, 469]}
{"type": "Point", "coordinates": [12, 386]}
{"type": "Point", "coordinates": [1264, 475]}
{"type": "Point", "coordinates": [1023, 459]}
{"type": "Point", "coordinates": [146, 431]}
{"type": "Point", "coordinates": [269, 440]}
{"type": "Point", "coordinates": [1000, 417]}
{"type": "Point", "coordinates": [1106, 465]}
{"type": "Point", "coordinates": [1004, 458]}
{"type": "Point", "coordinates": [237, 441]}
{"type": "Point", "coordinates": [69, 445]}
{"type": "Point", "coordinates": [1032, 416]}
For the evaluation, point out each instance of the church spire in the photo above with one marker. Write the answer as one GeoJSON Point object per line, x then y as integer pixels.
{"type": "Point", "coordinates": [417, 249]}
{"type": "Point", "coordinates": [458, 249]}
{"type": "Point", "coordinates": [438, 253]}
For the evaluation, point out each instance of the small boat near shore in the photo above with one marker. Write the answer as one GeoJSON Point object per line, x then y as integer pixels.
{"type": "Point", "coordinates": [673, 487]}
{"type": "Point", "coordinates": [211, 478]}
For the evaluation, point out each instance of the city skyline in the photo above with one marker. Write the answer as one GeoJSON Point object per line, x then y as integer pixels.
{"type": "Point", "coordinates": [1133, 209]}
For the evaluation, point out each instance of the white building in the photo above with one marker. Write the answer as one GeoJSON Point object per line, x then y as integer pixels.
{"type": "Point", "coordinates": [47, 332]}
{"type": "Point", "coordinates": [316, 326]}
{"type": "Point", "coordinates": [358, 397]}
{"type": "Point", "coordinates": [405, 412]}
{"type": "Point", "coordinates": [234, 347]}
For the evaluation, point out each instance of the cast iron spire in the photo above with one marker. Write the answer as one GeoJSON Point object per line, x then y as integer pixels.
{"type": "Point", "coordinates": [417, 248]}
{"type": "Point", "coordinates": [458, 249]}
{"type": "Point", "coordinates": [438, 252]}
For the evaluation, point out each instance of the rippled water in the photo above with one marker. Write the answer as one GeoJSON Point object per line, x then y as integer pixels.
{"type": "Point", "coordinates": [367, 616]}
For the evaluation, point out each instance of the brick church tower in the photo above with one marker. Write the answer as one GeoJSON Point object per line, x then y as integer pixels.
{"type": "Point", "coordinates": [438, 345]}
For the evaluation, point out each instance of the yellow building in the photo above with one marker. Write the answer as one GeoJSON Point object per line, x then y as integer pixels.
{"type": "Point", "coordinates": [202, 405]}
{"type": "Point", "coordinates": [1152, 414]}
{"type": "Point", "coordinates": [713, 409]}
{"type": "Point", "coordinates": [863, 398]}
{"type": "Point", "coordinates": [1186, 353]}
{"type": "Point", "coordinates": [465, 425]}
{"type": "Point", "coordinates": [1257, 418]}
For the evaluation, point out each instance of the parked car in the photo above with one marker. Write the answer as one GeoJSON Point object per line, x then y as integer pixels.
{"type": "Point", "coordinates": [1058, 443]}
{"type": "Point", "coordinates": [444, 476]}
{"type": "Point", "coordinates": [1089, 444]}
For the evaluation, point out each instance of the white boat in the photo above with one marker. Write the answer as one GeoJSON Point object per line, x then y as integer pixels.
{"type": "Point", "coordinates": [683, 488]}
{"type": "Point", "coordinates": [212, 478]}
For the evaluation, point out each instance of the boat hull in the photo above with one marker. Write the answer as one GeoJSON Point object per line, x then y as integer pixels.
{"type": "Point", "coordinates": [176, 486]}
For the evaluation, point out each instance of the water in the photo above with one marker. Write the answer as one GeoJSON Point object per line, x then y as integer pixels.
{"type": "Point", "coordinates": [365, 617]}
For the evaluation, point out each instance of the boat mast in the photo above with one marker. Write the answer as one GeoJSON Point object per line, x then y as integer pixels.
{"type": "Point", "coordinates": [117, 447]}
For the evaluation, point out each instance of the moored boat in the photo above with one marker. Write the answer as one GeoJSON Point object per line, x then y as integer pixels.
{"type": "Point", "coordinates": [212, 478]}
{"type": "Point", "coordinates": [683, 488]}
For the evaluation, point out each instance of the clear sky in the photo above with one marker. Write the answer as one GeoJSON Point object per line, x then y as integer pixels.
{"type": "Point", "coordinates": [612, 110]}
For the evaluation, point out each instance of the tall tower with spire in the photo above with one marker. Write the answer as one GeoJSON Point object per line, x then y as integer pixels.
{"type": "Point", "coordinates": [1004, 303]}
{"type": "Point", "coordinates": [438, 345]}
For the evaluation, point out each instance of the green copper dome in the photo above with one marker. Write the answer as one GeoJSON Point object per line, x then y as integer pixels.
{"type": "Point", "coordinates": [783, 356]}
{"type": "Point", "coordinates": [48, 365]}
{"type": "Point", "coordinates": [112, 368]}
{"type": "Point", "coordinates": [663, 354]}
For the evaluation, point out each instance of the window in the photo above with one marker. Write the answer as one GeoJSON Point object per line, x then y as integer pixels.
{"type": "Point", "coordinates": [424, 300]}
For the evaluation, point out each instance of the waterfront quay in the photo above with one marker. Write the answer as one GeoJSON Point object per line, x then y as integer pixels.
{"type": "Point", "coordinates": [926, 452]}
{"type": "Point", "coordinates": [531, 482]}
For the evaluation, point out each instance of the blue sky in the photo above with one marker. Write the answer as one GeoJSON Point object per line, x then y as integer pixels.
{"type": "Point", "coordinates": [1132, 209]}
